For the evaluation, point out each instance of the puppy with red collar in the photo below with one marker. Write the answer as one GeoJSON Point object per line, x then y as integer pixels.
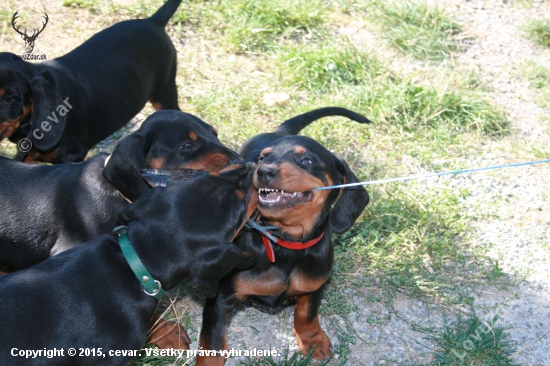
{"type": "Point", "coordinates": [295, 263]}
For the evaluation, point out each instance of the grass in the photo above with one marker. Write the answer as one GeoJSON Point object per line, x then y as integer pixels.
{"type": "Point", "coordinates": [538, 30]}
{"type": "Point", "coordinates": [473, 341]}
{"type": "Point", "coordinates": [410, 242]}
{"type": "Point", "coordinates": [418, 29]}
{"type": "Point", "coordinates": [328, 67]}
{"type": "Point", "coordinates": [258, 25]}
{"type": "Point", "coordinates": [539, 78]}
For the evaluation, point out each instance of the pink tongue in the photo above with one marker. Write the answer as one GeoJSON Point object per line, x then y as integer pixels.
{"type": "Point", "coordinates": [272, 195]}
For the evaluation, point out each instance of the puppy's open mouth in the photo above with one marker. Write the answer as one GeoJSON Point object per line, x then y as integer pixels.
{"type": "Point", "coordinates": [276, 197]}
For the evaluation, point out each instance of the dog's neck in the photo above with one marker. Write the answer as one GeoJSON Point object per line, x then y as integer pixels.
{"type": "Point", "coordinates": [119, 192]}
{"type": "Point", "coordinates": [164, 259]}
{"type": "Point", "coordinates": [294, 232]}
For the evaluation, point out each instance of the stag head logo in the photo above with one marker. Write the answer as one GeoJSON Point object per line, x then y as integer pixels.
{"type": "Point", "coordinates": [29, 40]}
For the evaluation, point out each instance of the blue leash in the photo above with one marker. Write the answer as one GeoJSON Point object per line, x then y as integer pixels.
{"type": "Point", "coordinates": [400, 179]}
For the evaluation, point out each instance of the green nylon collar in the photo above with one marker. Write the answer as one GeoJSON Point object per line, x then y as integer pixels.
{"type": "Point", "coordinates": [150, 286]}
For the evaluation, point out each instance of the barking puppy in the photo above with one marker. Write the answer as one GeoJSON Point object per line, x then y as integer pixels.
{"type": "Point", "coordinates": [89, 297]}
{"type": "Point", "coordinates": [67, 105]}
{"type": "Point", "coordinates": [48, 209]}
{"type": "Point", "coordinates": [298, 263]}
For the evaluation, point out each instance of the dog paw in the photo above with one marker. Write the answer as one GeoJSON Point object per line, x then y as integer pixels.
{"type": "Point", "coordinates": [166, 334]}
{"type": "Point", "coordinates": [306, 340]}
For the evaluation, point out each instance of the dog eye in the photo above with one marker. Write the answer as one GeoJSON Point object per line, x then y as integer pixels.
{"type": "Point", "coordinates": [188, 145]}
{"type": "Point", "coordinates": [7, 99]}
{"type": "Point", "coordinates": [306, 161]}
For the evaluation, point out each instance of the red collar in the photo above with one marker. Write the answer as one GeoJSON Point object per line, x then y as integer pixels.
{"type": "Point", "coordinates": [294, 245]}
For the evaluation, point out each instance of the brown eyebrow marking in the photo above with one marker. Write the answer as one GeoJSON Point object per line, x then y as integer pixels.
{"type": "Point", "coordinates": [267, 150]}
{"type": "Point", "coordinates": [299, 150]}
{"type": "Point", "coordinates": [193, 136]}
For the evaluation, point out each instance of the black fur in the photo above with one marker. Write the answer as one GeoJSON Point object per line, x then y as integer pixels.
{"type": "Point", "coordinates": [108, 79]}
{"type": "Point", "coordinates": [251, 149]}
{"type": "Point", "coordinates": [48, 209]}
{"type": "Point", "coordinates": [296, 275]}
{"type": "Point", "coordinates": [88, 297]}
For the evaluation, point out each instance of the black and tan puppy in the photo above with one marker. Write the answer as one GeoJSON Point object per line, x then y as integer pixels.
{"type": "Point", "coordinates": [67, 105]}
{"type": "Point", "coordinates": [88, 296]}
{"type": "Point", "coordinates": [48, 209]}
{"type": "Point", "coordinates": [296, 266]}
{"type": "Point", "coordinates": [252, 148]}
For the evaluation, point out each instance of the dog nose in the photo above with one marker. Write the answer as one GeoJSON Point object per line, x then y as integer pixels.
{"type": "Point", "coordinates": [266, 173]}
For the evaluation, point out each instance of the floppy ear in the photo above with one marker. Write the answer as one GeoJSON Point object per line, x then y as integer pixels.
{"type": "Point", "coordinates": [49, 114]}
{"type": "Point", "coordinates": [211, 264]}
{"type": "Point", "coordinates": [123, 170]}
{"type": "Point", "coordinates": [351, 202]}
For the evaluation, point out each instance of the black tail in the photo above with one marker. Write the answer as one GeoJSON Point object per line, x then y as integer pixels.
{"type": "Point", "coordinates": [165, 12]}
{"type": "Point", "coordinates": [294, 125]}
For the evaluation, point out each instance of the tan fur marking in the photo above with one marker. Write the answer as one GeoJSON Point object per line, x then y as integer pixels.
{"type": "Point", "coordinates": [251, 207]}
{"type": "Point", "coordinates": [157, 106]}
{"type": "Point", "coordinates": [10, 126]}
{"type": "Point", "coordinates": [33, 157]}
{"type": "Point", "coordinates": [298, 220]}
{"type": "Point", "coordinates": [157, 163]}
{"type": "Point", "coordinates": [299, 150]}
{"type": "Point", "coordinates": [166, 334]}
{"type": "Point", "coordinates": [267, 150]}
{"type": "Point", "coordinates": [309, 333]}
{"type": "Point", "coordinates": [209, 163]}
{"type": "Point", "coordinates": [239, 193]}
{"type": "Point", "coordinates": [2, 92]}
{"type": "Point", "coordinates": [302, 284]}
{"type": "Point", "coordinates": [193, 136]}
{"type": "Point", "coordinates": [231, 167]}
{"type": "Point", "coordinates": [211, 360]}
{"type": "Point", "coordinates": [269, 283]}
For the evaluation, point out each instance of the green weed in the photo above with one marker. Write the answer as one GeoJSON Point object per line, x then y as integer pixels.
{"type": "Point", "coordinates": [539, 78]}
{"type": "Point", "coordinates": [256, 25]}
{"type": "Point", "coordinates": [473, 341]}
{"type": "Point", "coordinates": [411, 243]}
{"type": "Point", "coordinates": [418, 29]}
{"type": "Point", "coordinates": [327, 68]}
{"type": "Point", "coordinates": [538, 30]}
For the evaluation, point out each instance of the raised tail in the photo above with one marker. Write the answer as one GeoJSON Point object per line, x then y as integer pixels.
{"type": "Point", "coordinates": [165, 12]}
{"type": "Point", "coordinates": [294, 125]}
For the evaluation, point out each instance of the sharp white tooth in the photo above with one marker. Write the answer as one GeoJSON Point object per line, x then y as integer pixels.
{"type": "Point", "coordinates": [294, 194]}
{"type": "Point", "coordinates": [282, 192]}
